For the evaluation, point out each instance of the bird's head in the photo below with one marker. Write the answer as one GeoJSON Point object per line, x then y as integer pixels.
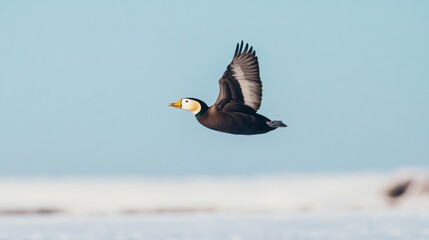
{"type": "Point", "coordinates": [196, 106]}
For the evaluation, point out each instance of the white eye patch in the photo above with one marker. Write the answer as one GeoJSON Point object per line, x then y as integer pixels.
{"type": "Point", "coordinates": [191, 105]}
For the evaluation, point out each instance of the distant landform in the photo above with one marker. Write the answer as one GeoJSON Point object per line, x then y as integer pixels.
{"type": "Point", "coordinates": [289, 193]}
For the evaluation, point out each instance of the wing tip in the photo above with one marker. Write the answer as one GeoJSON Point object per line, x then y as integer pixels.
{"type": "Point", "coordinates": [236, 50]}
{"type": "Point", "coordinates": [244, 49]}
{"type": "Point", "coordinates": [241, 48]}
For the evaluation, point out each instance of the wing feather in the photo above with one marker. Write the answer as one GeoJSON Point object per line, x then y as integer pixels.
{"type": "Point", "coordinates": [241, 82]}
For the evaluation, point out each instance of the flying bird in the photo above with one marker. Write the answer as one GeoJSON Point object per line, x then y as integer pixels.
{"type": "Point", "coordinates": [240, 96]}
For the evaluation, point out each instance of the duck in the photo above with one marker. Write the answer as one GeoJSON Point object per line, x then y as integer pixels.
{"type": "Point", "coordinates": [239, 99]}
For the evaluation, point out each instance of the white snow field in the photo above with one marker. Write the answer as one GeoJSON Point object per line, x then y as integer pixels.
{"type": "Point", "coordinates": [217, 227]}
{"type": "Point", "coordinates": [278, 194]}
{"type": "Point", "coordinates": [325, 206]}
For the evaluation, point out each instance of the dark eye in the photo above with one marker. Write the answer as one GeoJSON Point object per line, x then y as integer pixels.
{"type": "Point", "coordinates": [186, 100]}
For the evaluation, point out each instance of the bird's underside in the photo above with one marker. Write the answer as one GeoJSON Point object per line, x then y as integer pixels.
{"type": "Point", "coordinates": [235, 122]}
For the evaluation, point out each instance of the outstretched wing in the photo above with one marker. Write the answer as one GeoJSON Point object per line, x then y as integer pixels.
{"type": "Point", "coordinates": [241, 83]}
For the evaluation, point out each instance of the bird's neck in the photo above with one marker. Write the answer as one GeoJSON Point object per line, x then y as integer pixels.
{"type": "Point", "coordinates": [202, 110]}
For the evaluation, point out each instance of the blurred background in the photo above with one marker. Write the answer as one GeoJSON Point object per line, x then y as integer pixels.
{"type": "Point", "coordinates": [84, 89]}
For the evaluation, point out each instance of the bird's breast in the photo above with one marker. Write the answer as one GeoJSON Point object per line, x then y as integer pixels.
{"type": "Point", "coordinates": [234, 122]}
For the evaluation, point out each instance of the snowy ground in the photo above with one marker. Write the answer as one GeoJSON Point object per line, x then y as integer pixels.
{"type": "Point", "coordinates": [285, 194]}
{"type": "Point", "coordinates": [217, 227]}
{"type": "Point", "coordinates": [330, 206]}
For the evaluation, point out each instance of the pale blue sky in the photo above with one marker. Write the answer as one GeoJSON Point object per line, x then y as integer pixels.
{"type": "Point", "coordinates": [84, 86]}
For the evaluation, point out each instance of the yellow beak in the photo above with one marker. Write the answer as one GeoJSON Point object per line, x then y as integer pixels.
{"type": "Point", "coordinates": [177, 104]}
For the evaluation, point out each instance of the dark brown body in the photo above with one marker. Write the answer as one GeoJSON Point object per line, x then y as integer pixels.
{"type": "Point", "coordinates": [234, 122]}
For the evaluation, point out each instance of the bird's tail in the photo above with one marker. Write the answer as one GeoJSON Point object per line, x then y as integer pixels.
{"type": "Point", "coordinates": [276, 124]}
